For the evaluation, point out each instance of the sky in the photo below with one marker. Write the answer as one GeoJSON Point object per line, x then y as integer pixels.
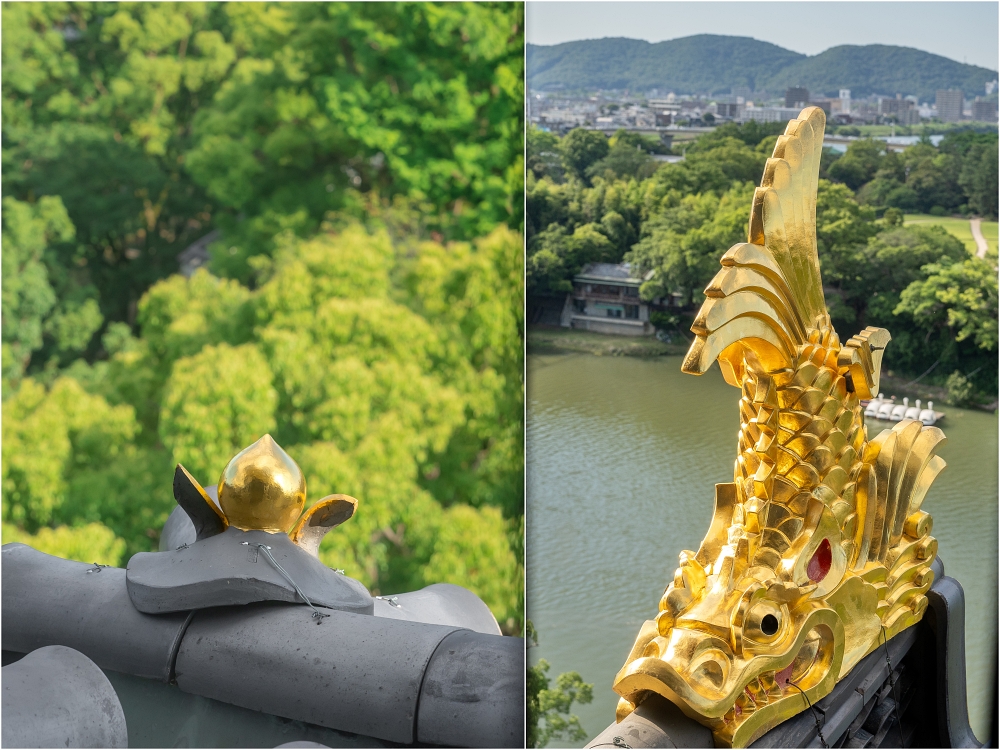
{"type": "Point", "coordinates": [962, 31]}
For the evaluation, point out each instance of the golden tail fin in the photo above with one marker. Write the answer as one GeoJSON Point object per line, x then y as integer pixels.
{"type": "Point", "coordinates": [905, 467]}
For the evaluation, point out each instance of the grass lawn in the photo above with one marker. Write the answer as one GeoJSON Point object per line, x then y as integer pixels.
{"type": "Point", "coordinates": [957, 228]}
{"type": "Point", "coordinates": [989, 230]}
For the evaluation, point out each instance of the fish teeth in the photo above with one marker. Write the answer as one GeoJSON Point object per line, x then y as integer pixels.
{"type": "Point", "coordinates": [770, 686]}
{"type": "Point", "coordinates": [745, 704]}
{"type": "Point", "coordinates": [757, 691]}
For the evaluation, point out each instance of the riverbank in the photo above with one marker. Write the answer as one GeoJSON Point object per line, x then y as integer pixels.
{"type": "Point", "coordinates": [900, 386]}
{"type": "Point", "coordinates": [556, 340]}
{"type": "Point", "coordinates": [544, 339]}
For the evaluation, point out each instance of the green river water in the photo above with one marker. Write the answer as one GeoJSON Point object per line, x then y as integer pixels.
{"type": "Point", "coordinates": [622, 458]}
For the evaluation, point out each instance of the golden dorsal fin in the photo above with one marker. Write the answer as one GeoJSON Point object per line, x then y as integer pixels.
{"type": "Point", "coordinates": [783, 218]}
{"type": "Point", "coordinates": [769, 293]}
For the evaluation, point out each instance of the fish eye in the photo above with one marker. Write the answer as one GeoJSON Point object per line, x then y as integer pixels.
{"type": "Point", "coordinates": [769, 624]}
{"type": "Point", "coordinates": [764, 622]}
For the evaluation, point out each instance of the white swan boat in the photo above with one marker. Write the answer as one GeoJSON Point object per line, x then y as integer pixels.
{"type": "Point", "coordinates": [887, 410]}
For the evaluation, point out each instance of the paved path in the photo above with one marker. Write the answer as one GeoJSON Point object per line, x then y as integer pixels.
{"type": "Point", "coordinates": [977, 235]}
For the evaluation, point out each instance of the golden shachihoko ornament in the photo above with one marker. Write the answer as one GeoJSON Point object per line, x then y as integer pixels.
{"type": "Point", "coordinates": [818, 549]}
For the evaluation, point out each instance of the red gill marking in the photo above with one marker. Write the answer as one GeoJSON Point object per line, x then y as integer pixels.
{"type": "Point", "coordinates": [784, 676]}
{"type": "Point", "coordinates": [820, 563]}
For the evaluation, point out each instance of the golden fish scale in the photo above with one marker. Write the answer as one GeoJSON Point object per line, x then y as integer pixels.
{"type": "Point", "coordinates": [808, 433]}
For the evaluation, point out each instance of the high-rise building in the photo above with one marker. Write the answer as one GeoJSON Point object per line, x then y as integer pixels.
{"type": "Point", "coordinates": [729, 107]}
{"type": "Point", "coordinates": [796, 96]}
{"type": "Point", "coordinates": [742, 92]}
{"type": "Point", "coordinates": [824, 104]}
{"type": "Point", "coordinates": [949, 105]}
{"type": "Point", "coordinates": [902, 110]}
{"type": "Point", "coordinates": [845, 100]}
{"type": "Point", "coordinates": [770, 114]}
{"type": "Point", "coordinates": [984, 110]}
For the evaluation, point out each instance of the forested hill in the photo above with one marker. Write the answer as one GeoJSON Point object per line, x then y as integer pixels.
{"type": "Point", "coordinates": [709, 63]}
{"type": "Point", "coordinates": [694, 64]}
{"type": "Point", "coordinates": [881, 69]}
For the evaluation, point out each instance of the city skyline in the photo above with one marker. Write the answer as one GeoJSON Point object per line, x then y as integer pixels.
{"type": "Point", "coordinates": [961, 31]}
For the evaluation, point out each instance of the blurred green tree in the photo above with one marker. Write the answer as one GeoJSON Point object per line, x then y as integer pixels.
{"type": "Point", "coordinates": [391, 373]}
{"type": "Point", "coordinates": [363, 165]}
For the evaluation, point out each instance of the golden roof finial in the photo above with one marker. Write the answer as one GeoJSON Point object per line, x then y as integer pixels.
{"type": "Point", "coordinates": [262, 488]}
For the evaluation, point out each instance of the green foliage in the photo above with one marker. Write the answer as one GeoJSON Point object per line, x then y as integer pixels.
{"type": "Point", "coordinates": [325, 143]}
{"type": "Point", "coordinates": [548, 709]}
{"type": "Point", "coordinates": [752, 133]}
{"type": "Point", "coordinates": [859, 164]}
{"type": "Point", "coordinates": [558, 256]}
{"type": "Point", "coordinates": [28, 296]}
{"type": "Point", "coordinates": [959, 175]}
{"type": "Point", "coordinates": [979, 179]}
{"type": "Point", "coordinates": [471, 548]}
{"type": "Point", "coordinates": [960, 295]}
{"type": "Point", "coordinates": [960, 389]}
{"type": "Point", "coordinates": [683, 244]}
{"type": "Point", "coordinates": [571, 224]}
{"type": "Point", "coordinates": [868, 279]}
{"type": "Point", "coordinates": [98, 102]}
{"type": "Point", "coordinates": [705, 62]}
{"type": "Point", "coordinates": [216, 403]}
{"type": "Point", "coordinates": [48, 434]}
{"type": "Point", "coordinates": [648, 143]}
{"type": "Point", "coordinates": [623, 160]}
{"type": "Point", "coordinates": [542, 154]}
{"type": "Point", "coordinates": [664, 321]}
{"type": "Point", "coordinates": [581, 149]}
{"type": "Point", "coordinates": [325, 100]}
{"type": "Point", "coordinates": [878, 68]}
{"type": "Point", "coordinates": [156, 122]}
{"type": "Point", "coordinates": [92, 543]}
{"type": "Point", "coordinates": [554, 705]}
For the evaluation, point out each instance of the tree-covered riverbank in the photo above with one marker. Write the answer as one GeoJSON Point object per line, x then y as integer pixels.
{"type": "Point", "coordinates": [590, 199]}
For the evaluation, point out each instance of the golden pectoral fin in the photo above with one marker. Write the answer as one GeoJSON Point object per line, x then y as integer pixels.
{"type": "Point", "coordinates": [325, 515]}
{"type": "Point", "coordinates": [208, 520]}
{"type": "Point", "coordinates": [862, 356]}
{"type": "Point", "coordinates": [725, 502]}
{"type": "Point", "coordinates": [855, 600]}
{"type": "Point", "coordinates": [647, 633]}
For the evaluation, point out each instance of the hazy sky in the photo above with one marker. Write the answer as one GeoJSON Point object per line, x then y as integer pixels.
{"type": "Point", "coordinates": [963, 31]}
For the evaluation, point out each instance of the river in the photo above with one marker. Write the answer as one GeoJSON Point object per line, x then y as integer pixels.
{"type": "Point", "coordinates": [622, 458]}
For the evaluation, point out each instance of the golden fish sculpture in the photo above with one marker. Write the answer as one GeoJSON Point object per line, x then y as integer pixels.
{"type": "Point", "coordinates": [818, 549]}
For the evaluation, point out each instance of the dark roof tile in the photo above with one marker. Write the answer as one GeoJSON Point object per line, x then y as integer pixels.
{"type": "Point", "coordinates": [50, 601]}
{"type": "Point", "coordinates": [57, 697]}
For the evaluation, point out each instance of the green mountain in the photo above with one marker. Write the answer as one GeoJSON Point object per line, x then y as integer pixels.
{"type": "Point", "coordinates": [881, 69]}
{"type": "Point", "coordinates": [712, 64]}
{"type": "Point", "coordinates": [696, 64]}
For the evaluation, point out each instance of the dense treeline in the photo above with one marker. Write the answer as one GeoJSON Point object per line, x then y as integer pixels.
{"type": "Point", "coordinates": [714, 64]}
{"type": "Point", "coordinates": [593, 199]}
{"type": "Point", "coordinates": [361, 165]}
